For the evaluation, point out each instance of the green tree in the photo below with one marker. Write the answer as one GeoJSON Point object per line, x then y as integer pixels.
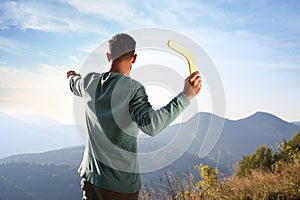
{"type": "Point", "coordinates": [288, 150]}
{"type": "Point", "coordinates": [262, 159]}
{"type": "Point", "coordinates": [295, 142]}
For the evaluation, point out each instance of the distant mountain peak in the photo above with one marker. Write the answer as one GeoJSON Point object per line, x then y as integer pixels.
{"type": "Point", "coordinates": [264, 113]}
{"type": "Point", "coordinates": [261, 115]}
{"type": "Point", "coordinates": [37, 119]}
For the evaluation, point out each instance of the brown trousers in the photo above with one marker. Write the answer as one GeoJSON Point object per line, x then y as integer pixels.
{"type": "Point", "coordinates": [91, 192]}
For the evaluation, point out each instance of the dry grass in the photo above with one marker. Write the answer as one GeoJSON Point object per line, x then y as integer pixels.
{"type": "Point", "coordinates": [283, 183]}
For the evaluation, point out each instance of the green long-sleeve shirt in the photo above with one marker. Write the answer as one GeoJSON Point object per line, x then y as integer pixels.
{"type": "Point", "coordinates": [116, 108]}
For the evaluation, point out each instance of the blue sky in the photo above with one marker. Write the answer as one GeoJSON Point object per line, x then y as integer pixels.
{"type": "Point", "coordinates": [255, 46]}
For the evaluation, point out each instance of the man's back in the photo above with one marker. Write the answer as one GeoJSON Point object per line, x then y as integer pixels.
{"type": "Point", "coordinates": [116, 108]}
{"type": "Point", "coordinates": [107, 98]}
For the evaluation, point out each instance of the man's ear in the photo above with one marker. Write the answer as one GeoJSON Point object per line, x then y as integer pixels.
{"type": "Point", "coordinates": [108, 55]}
{"type": "Point", "coordinates": [134, 58]}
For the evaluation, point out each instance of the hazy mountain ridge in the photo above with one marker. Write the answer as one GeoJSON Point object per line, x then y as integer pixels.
{"type": "Point", "coordinates": [68, 156]}
{"type": "Point", "coordinates": [258, 129]}
{"type": "Point", "coordinates": [23, 136]}
{"type": "Point", "coordinates": [238, 138]}
{"type": "Point", "coordinates": [266, 121]}
{"type": "Point", "coordinates": [17, 172]}
{"type": "Point", "coordinates": [37, 119]}
{"type": "Point", "coordinates": [36, 181]}
{"type": "Point", "coordinates": [12, 191]}
{"type": "Point", "coordinates": [296, 123]}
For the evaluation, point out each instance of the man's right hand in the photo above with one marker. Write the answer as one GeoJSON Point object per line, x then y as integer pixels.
{"type": "Point", "coordinates": [192, 85]}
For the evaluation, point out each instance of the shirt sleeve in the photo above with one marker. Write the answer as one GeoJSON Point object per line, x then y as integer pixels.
{"type": "Point", "coordinates": [152, 121]}
{"type": "Point", "coordinates": [76, 85]}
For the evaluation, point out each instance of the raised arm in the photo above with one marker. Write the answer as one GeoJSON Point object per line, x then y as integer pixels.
{"type": "Point", "coordinates": [153, 121]}
{"type": "Point", "coordinates": [75, 82]}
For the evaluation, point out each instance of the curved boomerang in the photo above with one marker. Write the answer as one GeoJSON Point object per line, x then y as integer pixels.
{"type": "Point", "coordinates": [186, 52]}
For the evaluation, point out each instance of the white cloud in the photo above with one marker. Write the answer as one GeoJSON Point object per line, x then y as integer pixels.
{"type": "Point", "coordinates": [89, 48]}
{"type": "Point", "coordinates": [96, 16]}
{"type": "Point", "coordinates": [244, 48]}
{"type": "Point", "coordinates": [125, 13]}
{"type": "Point", "coordinates": [13, 46]}
{"type": "Point", "coordinates": [72, 15]}
{"type": "Point", "coordinates": [75, 62]}
{"type": "Point", "coordinates": [113, 10]}
{"type": "Point", "coordinates": [17, 47]}
{"type": "Point", "coordinates": [45, 16]}
{"type": "Point", "coordinates": [44, 92]}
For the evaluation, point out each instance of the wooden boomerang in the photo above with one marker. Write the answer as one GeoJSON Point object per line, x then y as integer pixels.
{"type": "Point", "coordinates": [186, 52]}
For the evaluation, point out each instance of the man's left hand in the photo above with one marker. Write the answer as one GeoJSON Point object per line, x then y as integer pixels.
{"type": "Point", "coordinates": [72, 73]}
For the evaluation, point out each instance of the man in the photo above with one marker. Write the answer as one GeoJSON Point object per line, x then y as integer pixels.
{"type": "Point", "coordinates": [116, 108]}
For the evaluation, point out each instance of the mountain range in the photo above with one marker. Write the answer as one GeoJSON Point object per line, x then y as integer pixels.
{"type": "Point", "coordinates": [44, 175]}
{"type": "Point", "coordinates": [241, 137]}
{"type": "Point", "coordinates": [238, 138]}
{"type": "Point", "coordinates": [24, 134]}
{"type": "Point", "coordinates": [30, 134]}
